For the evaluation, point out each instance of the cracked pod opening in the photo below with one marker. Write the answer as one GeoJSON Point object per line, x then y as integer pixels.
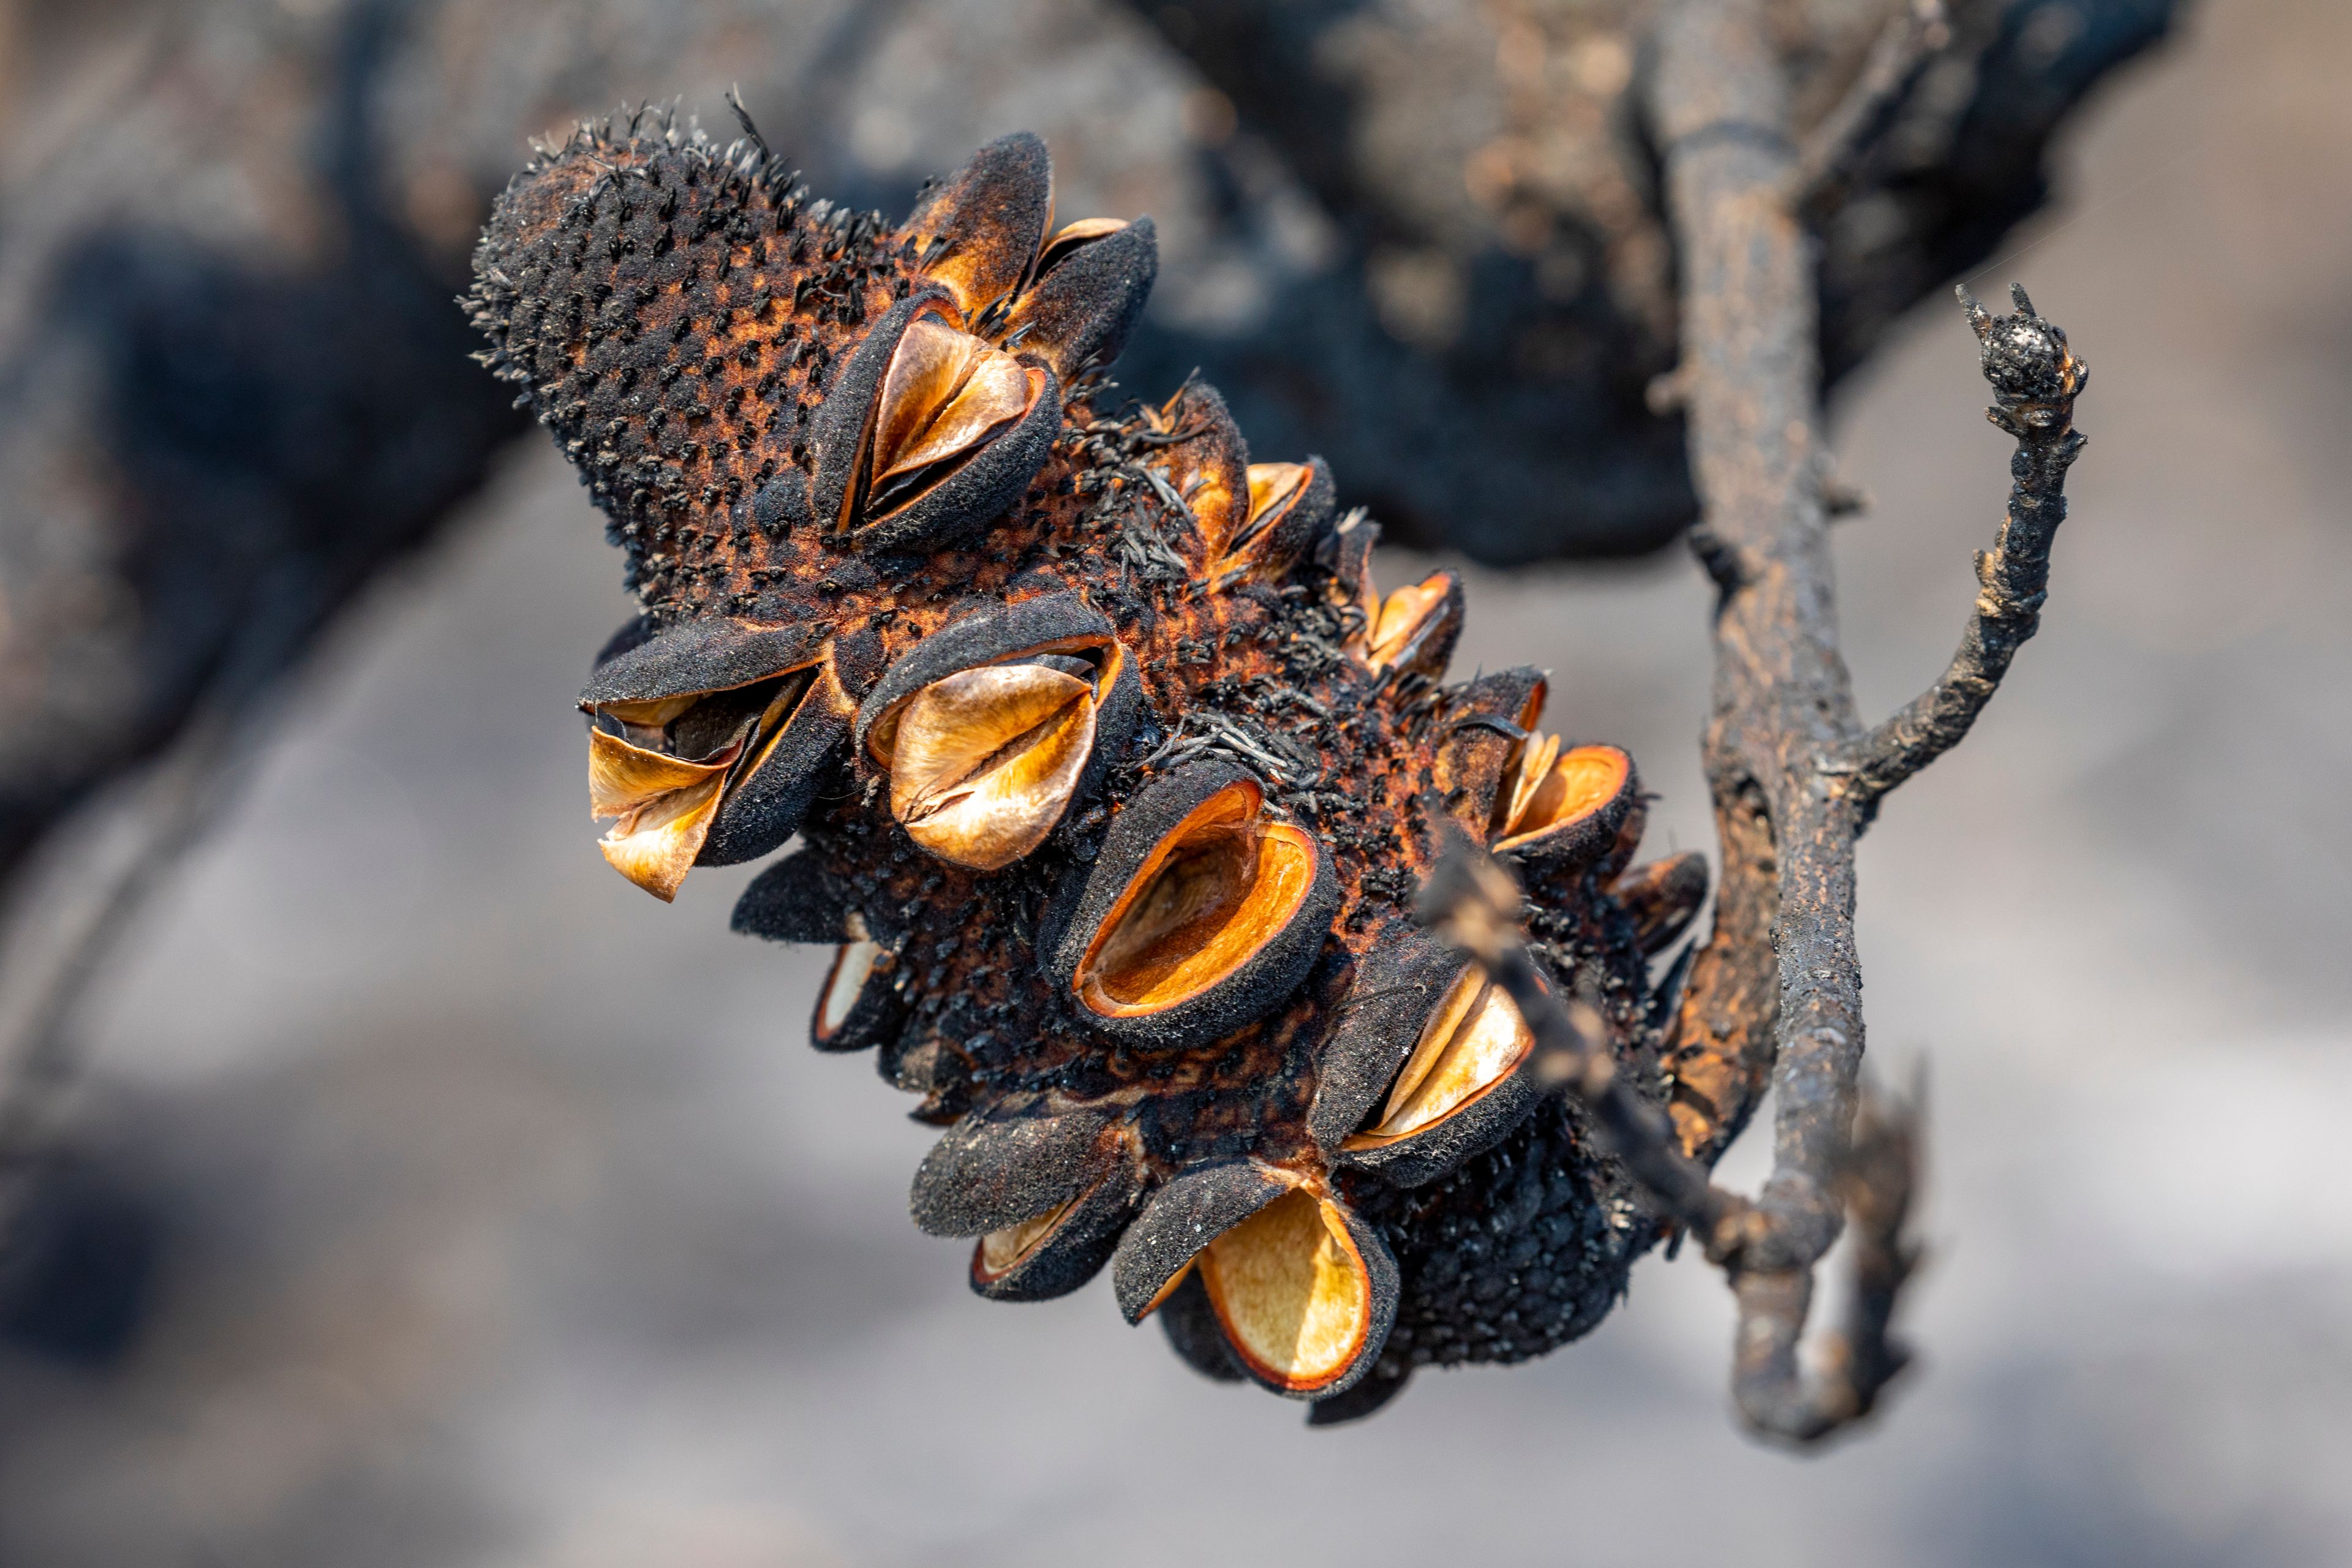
{"type": "Point", "coordinates": [945, 396]}
{"type": "Point", "coordinates": [1474, 1041]}
{"type": "Point", "coordinates": [1562, 804]}
{"type": "Point", "coordinates": [1215, 892]}
{"type": "Point", "coordinates": [1293, 1293]}
{"type": "Point", "coordinates": [1274, 489]}
{"type": "Point", "coordinates": [985, 762]}
{"type": "Point", "coordinates": [856, 1006]}
{"type": "Point", "coordinates": [664, 768]}
{"type": "Point", "coordinates": [1003, 1251]}
{"type": "Point", "coordinates": [1416, 624]}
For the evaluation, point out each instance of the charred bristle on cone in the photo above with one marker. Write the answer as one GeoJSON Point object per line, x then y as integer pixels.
{"type": "Point", "coordinates": [1113, 773]}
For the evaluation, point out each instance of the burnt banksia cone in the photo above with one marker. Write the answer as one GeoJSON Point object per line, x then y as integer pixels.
{"type": "Point", "coordinates": [1114, 775]}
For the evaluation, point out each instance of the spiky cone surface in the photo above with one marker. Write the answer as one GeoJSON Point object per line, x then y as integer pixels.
{"type": "Point", "coordinates": [1113, 773]}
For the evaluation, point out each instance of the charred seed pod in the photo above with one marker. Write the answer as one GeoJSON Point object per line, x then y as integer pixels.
{"type": "Point", "coordinates": [1562, 808]}
{"type": "Point", "coordinates": [1481, 733]}
{"type": "Point", "coordinates": [977, 234]}
{"type": "Point", "coordinates": [707, 744]}
{"type": "Point", "coordinates": [1663, 898]}
{"type": "Point", "coordinates": [990, 730]}
{"type": "Point", "coordinates": [1305, 1290]}
{"type": "Point", "coordinates": [1396, 987]}
{"type": "Point", "coordinates": [931, 433]}
{"type": "Point", "coordinates": [996, 1168]}
{"type": "Point", "coordinates": [859, 1005]}
{"type": "Point", "coordinates": [1054, 1252]}
{"type": "Point", "coordinates": [1203, 910]}
{"type": "Point", "coordinates": [798, 899]}
{"type": "Point", "coordinates": [1114, 772]}
{"type": "Point", "coordinates": [1292, 510]}
{"type": "Point", "coordinates": [1090, 289]}
{"type": "Point", "coordinates": [1461, 1090]}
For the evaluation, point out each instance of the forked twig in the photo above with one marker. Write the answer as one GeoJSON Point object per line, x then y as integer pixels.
{"type": "Point", "coordinates": [1775, 996]}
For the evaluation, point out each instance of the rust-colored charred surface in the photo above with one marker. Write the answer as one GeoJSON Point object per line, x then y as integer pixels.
{"type": "Point", "coordinates": [715, 351]}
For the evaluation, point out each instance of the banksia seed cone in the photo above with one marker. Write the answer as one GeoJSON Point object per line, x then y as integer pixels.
{"type": "Point", "coordinates": [1114, 775]}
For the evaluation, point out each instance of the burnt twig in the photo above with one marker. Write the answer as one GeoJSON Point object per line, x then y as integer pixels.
{"type": "Point", "coordinates": [1777, 991]}
{"type": "Point", "coordinates": [1472, 903]}
{"type": "Point", "coordinates": [2035, 379]}
{"type": "Point", "coordinates": [1836, 148]}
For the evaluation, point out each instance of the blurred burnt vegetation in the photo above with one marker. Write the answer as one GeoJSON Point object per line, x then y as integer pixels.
{"type": "Point", "coordinates": [237, 391]}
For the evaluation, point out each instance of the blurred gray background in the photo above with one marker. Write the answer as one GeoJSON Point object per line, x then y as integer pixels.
{"type": "Point", "coordinates": [504, 1216]}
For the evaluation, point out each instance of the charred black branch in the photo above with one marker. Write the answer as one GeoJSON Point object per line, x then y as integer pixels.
{"type": "Point", "coordinates": [2035, 380]}
{"type": "Point", "coordinates": [1795, 778]}
{"type": "Point", "coordinates": [1854, 1364]}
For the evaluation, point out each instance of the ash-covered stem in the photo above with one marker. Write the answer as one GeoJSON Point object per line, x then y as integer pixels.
{"type": "Point", "coordinates": [1795, 778]}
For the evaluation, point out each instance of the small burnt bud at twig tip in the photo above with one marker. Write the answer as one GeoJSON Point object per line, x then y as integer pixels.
{"type": "Point", "coordinates": [2035, 376]}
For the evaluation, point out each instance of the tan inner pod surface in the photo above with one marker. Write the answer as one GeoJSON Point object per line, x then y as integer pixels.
{"type": "Point", "coordinates": [984, 761]}
{"type": "Point", "coordinates": [1001, 1250]}
{"type": "Point", "coordinates": [851, 964]}
{"type": "Point", "coordinates": [1217, 889]}
{"type": "Point", "coordinates": [1472, 1042]}
{"type": "Point", "coordinates": [945, 392]}
{"type": "Point", "coordinates": [1560, 786]}
{"type": "Point", "coordinates": [1402, 615]}
{"type": "Point", "coordinates": [665, 808]}
{"type": "Point", "coordinates": [1290, 1289]}
{"type": "Point", "coordinates": [665, 803]}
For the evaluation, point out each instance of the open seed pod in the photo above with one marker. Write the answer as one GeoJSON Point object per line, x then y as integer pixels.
{"type": "Point", "coordinates": [1564, 806]}
{"type": "Point", "coordinates": [978, 231]}
{"type": "Point", "coordinates": [1057, 1248]}
{"type": "Point", "coordinates": [857, 1006]}
{"type": "Point", "coordinates": [1662, 898]}
{"type": "Point", "coordinates": [1016, 1161]}
{"type": "Point", "coordinates": [1459, 1090]}
{"type": "Point", "coordinates": [1206, 463]}
{"type": "Point", "coordinates": [1204, 908]}
{"type": "Point", "coordinates": [1398, 981]}
{"type": "Point", "coordinates": [929, 433]}
{"type": "Point", "coordinates": [1292, 508]}
{"type": "Point", "coordinates": [707, 744]}
{"type": "Point", "coordinates": [990, 729]}
{"type": "Point", "coordinates": [1092, 281]}
{"type": "Point", "coordinates": [1417, 626]}
{"type": "Point", "coordinates": [1304, 1290]}
{"type": "Point", "coordinates": [1480, 733]}
{"type": "Point", "coordinates": [1158, 1249]}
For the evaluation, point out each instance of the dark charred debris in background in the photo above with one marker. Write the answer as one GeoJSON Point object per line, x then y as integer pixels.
{"type": "Point", "coordinates": [1492, 372]}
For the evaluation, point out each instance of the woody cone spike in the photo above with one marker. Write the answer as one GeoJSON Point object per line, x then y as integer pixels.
{"type": "Point", "coordinates": [1114, 775]}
